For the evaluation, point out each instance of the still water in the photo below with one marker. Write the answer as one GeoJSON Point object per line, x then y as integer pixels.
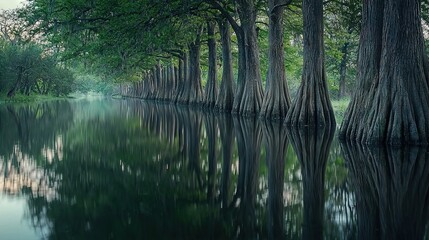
{"type": "Point", "coordinates": [126, 169]}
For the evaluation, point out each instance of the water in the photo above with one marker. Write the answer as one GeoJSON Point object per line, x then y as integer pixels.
{"type": "Point", "coordinates": [125, 169]}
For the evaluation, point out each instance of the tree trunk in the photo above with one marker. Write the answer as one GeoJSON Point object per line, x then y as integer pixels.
{"type": "Point", "coordinates": [182, 77]}
{"type": "Point", "coordinates": [226, 94]}
{"type": "Point", "coordinates": [15, 87]}
{"type": "Point", "coordinates": [276, 100]}
{"type": "Point", "coordinates": [312, 106]}
{"type": "Point", "coordinates": [158, 75]}
{"type": "Point", "coordinates": [391, 104]}
{"type": "Point", "coordinates": [211, 86]}
{"type": "Point", "coordinates": [343, 70]}
{"type": "Point", "coordinates": [192, 93]}
{"type": "Point", "coordinates": [251, 98]}
{"type": "Point", "coordinates": [241, 78]}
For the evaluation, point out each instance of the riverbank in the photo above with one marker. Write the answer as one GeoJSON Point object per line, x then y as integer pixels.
{"type": "Point", "coordinates": [19, 98]}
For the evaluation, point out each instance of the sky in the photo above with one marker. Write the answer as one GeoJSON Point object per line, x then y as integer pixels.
{"type": "Point", "coordinates": [9, 4]}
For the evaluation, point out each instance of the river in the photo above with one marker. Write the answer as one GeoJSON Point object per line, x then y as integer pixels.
{"type": "Point", "coordinates": [102, 168]}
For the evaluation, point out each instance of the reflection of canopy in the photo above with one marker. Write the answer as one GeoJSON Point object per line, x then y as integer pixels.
{"type": "Point", "coordinates": [391, 187]}
{"type": "Point", "coordinates": [21, 173]}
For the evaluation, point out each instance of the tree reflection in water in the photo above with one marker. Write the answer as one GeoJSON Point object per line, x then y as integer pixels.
{"type": "Point", "coordinates": [392, 190]}
{"type": "Point", "coordinates": [312, 147]}
{"type": "Point", "coordinates": [137, 170]}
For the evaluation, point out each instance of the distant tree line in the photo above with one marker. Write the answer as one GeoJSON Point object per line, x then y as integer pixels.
{"type": "Point", "coordinates": [25, 66]}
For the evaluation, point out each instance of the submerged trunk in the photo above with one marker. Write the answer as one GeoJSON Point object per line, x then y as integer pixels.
{"type": "Point", "coordinates": [312, 106]}
{"type": "Point", "coordinates": [276, 99]}
{"type": "Point", "coordinates": [226, 94]}
{"type": "Point", "coordinates": [391, 104]}
{"type": "Point", "coordinates": [211, 86]}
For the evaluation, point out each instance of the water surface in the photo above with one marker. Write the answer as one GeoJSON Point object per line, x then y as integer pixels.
{"type": "Point", "coordinates": [126, 169]}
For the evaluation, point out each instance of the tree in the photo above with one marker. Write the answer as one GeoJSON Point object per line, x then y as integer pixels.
{"type": "Point", "coordinates": [312, 105]}
{"type": "Point", "coordinates": [276, 100]}
{"type": "Point", "coordinates": [211, 85]}
{"type": "Point", "coordinates": [391, 104]}
{"type": "Point", "coordinates": [225, 98]}
{"type": "Point", "coordinates": [248, 96]}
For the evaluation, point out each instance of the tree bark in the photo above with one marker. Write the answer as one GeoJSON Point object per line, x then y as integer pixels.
{"type": "Point", "coordinates": [211, 86]}
{"type": "Point", "coordinates": [312, 106]}
{"type": "Point", "coordinates": [391, 104]}
{"type": "Point", "coordinates": [276, 100]}
{"type": "Point", "coordinates": [226, 94]}
{"type": "Point", "coordinates": [251, 99]}
{"type": "Point", "coordinates": [192, 93]}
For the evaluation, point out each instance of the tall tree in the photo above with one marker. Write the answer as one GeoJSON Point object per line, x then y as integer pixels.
{"type": "Point", "coordinates": [248, 96]}
{"type": "Point", "coordinates": [225, 98]}
{"type": "Point", "coordinates": [211, 85]}
{"type": "Point", "coordinates": [312, 105]}
{"type": "Point", "coordinates": [391, 104]}
{"type": "Point", "coordinates": [276, 100]}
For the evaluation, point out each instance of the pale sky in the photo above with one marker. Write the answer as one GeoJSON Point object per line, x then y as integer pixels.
{"type": "Point", "coordinates": [10, 4]}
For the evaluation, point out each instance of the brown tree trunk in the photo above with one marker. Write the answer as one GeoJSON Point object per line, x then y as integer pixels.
{"type": "Point", "coordinates": [226, 94]}
{"type": "Point", "coordinates": [391, 104]}
{"type": "Point", "coordinates": [276, 100]}
{"type": "Point", "coordinates": [211, 86]}
{"type": "Point", "coordinates": [312, 106]}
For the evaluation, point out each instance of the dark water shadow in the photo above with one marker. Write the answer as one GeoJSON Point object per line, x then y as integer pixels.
{"type": "Point", "coordinates": [312, 147]}
{"type": "Point", "coordinates": [391, 188]}
{"type": "Point", "coordinates": [276, 142]}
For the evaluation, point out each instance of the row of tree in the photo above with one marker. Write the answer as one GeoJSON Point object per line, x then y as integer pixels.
{"type": "Point", "coordinates": [144, 36]}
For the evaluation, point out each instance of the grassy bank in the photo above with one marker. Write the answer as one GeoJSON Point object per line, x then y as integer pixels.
{"type": "Point", "coordinates": [340, 107]}
{"type": "Point", "coordinates": [19, 98]}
